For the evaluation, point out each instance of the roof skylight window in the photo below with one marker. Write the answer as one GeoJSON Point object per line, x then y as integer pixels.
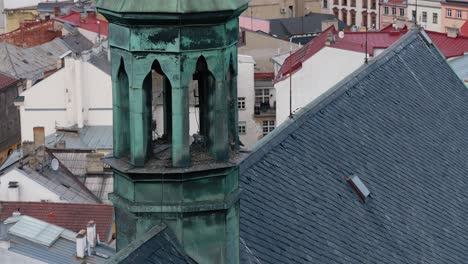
{"type": "Point", "coordinates": [358, 187]}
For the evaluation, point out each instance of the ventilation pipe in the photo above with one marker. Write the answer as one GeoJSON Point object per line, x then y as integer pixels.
{"type": "Point", "coordinates": [13, 191]}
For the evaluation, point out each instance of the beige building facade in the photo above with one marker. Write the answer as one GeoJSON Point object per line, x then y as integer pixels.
{"type": "Point", "coordinates": [272, 9]}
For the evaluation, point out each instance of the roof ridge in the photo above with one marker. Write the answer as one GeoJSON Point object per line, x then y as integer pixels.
{"type": "Point", "coordinates": [289, 126]}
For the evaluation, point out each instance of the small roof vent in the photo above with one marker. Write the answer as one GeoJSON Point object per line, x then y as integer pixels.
{"type": "Point", "coordinates": [358, 187]}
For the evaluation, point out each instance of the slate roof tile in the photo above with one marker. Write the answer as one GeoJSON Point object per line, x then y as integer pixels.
{"type": "Point", "coordinates": [399, 124]}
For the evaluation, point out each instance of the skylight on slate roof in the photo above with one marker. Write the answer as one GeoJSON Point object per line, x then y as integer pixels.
{"type": "Point", "coordinates": [359, 187]}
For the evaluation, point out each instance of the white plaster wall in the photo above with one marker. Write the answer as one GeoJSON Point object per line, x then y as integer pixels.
{"type": "Point", "coordinates": [79, 94]}
{"type": "Point", "coordinates": [2, 17]}
{"type": "Point", "coordinates": [29, 190]}
{"type": "Point", "coordinates": [430, 7]}
{"type": "Point", "coordinates": [246, 88]}
{"type": "Point", "coordinates": [97, 99]}
{"type": "Point", "coordinates": [45, 105]}
{"type": "Point", "coordinates": [317, 75]}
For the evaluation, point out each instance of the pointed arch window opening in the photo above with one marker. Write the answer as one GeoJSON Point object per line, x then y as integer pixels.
{"type": "Point", "coordinates": [158, 111]}
{"type": "Point", "coordinates": [201, 104]}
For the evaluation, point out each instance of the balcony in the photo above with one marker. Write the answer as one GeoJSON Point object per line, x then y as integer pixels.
{"type": "Point", "coordinates": [265, 110]}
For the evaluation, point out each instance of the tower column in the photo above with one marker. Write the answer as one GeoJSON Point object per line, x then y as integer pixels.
{"type": "Point", "coordinates": [180, 120]}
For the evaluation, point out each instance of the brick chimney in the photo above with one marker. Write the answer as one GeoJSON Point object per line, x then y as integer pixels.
{"type": "Point", "coordinates": [28, 148]}
{"type": "Point", "coordinates": [94, 163]}
{"type": "Point", "coordinates": [39, 136]}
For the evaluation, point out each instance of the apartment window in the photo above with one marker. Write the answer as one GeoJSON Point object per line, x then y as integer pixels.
{"type": "Point", "coordinates": [434, 18]}
{"type": "Point", "coordinates": [241, 103]}
{"type": "Point", "coordinates": [345, 16]}
{"type": "Point", "coordinates": [386, 10]}
{"type": "Point", "coordinates": [344, 2]}
{"type": "Point", "coordinates": [262, 96]}
{"type": "Point", "coordinates": [394, 11]}
{"type": "Point", "coordinates": [335, 12]}
{"type": "Point", "coordinates": [424, 16]}
{"type": "Point", "coordinates": [268, 126]}
{"type": "Point", "coordinates": [402, 12]}
{"type": "Point", "coordinates": [459, 14]}
{"type": "Point", "coordinates": [353, 18]}
{"type": "Point", "coordinates": [353, 3]}
{"type": "Point", "coordinates": [373, 4]}
{"type": "Point", "coordinates": [335, 2]}
{"type": "Point", "coordinates": [242, 127]}
{"type": "Point", "coordinates": [364, 3]}
{"type": "Point", "coordinates": [449, 12]}
{"type": "Point", "coordinates": [325, 3]}
{"type": "Point", "coordinates": [413, 15]}
{"type": "Point", "coordinates": [373, 21]}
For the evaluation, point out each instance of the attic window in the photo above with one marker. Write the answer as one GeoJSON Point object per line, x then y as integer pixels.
{"type": "Point", "coordinates": [358, 187]}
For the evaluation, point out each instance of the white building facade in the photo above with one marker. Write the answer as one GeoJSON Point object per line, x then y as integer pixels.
{"type": "Point", "coordinates": [317, 75]}
{"type": "Point", "coordinates": [26, 189]}
{"type": "Point", "coordinates": [79, 94]}
{"type": "Point", "coordinates": [248, 128]}
{"type": "Point", "coordinates": [427, 12]}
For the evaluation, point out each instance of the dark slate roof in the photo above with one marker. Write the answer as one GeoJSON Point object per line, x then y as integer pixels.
{"type": "Point", "coordinates": [310, 24]}
{"type": "Point", "coordinates": [398, 123]}
{"type": "Point", "coordinates": [77, 43]}
{"type": "Point", "coordinates": [158, 246]}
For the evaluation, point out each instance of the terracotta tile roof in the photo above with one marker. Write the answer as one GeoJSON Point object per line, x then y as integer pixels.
{"type": "Point", "coordinates": [66, 215]}
{"type": "Point", "coordinates": [355, 41]}
{"type": "Point", "coordinates": [6, 81]}
{"type": "Point", "coordinates": [464, 30]}
{"type": "Point", "coordinates": [89, 24]}
{"type": "Point", "coordinates": [32, 33]}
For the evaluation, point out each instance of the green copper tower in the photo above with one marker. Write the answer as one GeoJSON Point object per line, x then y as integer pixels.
{"type": "Point", "coordinates": [179, 56]}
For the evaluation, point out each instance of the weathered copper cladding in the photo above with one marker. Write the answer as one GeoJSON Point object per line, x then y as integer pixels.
{"type": "Point", "coordinates": [192, 188]}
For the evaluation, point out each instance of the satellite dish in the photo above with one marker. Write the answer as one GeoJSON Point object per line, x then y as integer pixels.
{"type": "Point", "coordinates": [54, 164]}
{"type": "Point", "coordinates": [341, 34]}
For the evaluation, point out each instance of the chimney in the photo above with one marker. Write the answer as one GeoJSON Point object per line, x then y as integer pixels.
{"type": "Point", "coordinates": [327, 23]}
{"type": "Point", "coordinates": [94, 163]}
{"type": "Point", "coordinates": [91, 231]}
{"type": "Point", "coordinates": [329, 39]}
{"type": "Point", "coordinates": [39, 136]}
{"type": "Point", "coordinates": [84, 16]}
{"type": "Point", "coordinates": [16, 213]}
{"type": "Point", "coordinates": [28, 148]}
{"type": "Point", "coordinates": [452, 32]}
{"type": "Point", "coordinates": [13, 191]}
{"type": "Point", "coordinates": [81, 244]}
{"type": "Point", "coordinates": [61, 144]}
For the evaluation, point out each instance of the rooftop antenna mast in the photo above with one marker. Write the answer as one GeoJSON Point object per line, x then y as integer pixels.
{"type": "Point", "coordinates": [416, 13]}
{"type": "Point", "coordinates": [367, 22]}
{"type": "Point", "coordinates": [290, 83]}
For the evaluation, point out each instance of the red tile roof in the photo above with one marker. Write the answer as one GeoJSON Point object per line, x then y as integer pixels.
{"type": "Point", "coordinates": [90, 24]}
{"type": "Point", "coordinates": [355, 41]}
{"type": "Point", "coordinates": [464, 29]}
{"type": "Point", "coordinates": [70, 216]}
{"type": "Point", "coordinates": [6, 81]}
{"type": "Point", "coordinates": [32, 33]}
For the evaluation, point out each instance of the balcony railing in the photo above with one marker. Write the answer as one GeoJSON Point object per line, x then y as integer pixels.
{"type": "Point", "coordinates": [264, 110]}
